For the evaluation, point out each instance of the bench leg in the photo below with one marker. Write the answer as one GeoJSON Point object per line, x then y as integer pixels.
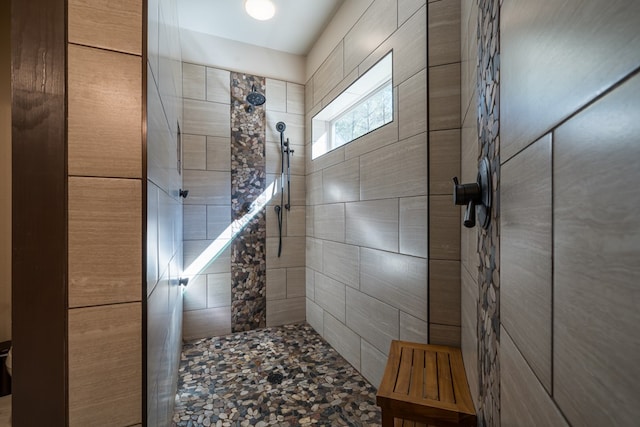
{"type": "Point", "coordinates": [387, 419]}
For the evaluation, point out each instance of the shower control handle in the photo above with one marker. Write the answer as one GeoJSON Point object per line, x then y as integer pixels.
{"type": "Point", "coordinates": [476, 196]}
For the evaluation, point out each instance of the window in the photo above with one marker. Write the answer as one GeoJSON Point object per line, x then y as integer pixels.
{"type": "Point", "coordinates": [363, 107]}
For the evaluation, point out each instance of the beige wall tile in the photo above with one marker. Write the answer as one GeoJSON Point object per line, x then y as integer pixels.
{"type": "Point", "coordinates": [295, 98]}
{"type": "Point", "coordinates": [285, 311]}
{"type": "Point", "coordinates": [341, 262]}
{"type": "Point", "coordinates": [444, 97]}
{"type": "Point", "coordinates": [310, 210]}
{"type": "Point", "coordinates": [218, 221]}
{"type": "Point", "coordinates": [274, 158]}
{"type": "Point", "coordinates": [469, 330]}
{"type": "Point", "coordinates": [372, 363]}
{"type": "Point", "coordinates": [315, 316]}
{"type": "Point", "coordinates": [276, 283]}
{"type": "Point", "coordinates": [293, 254]}
{"type": "Point", "coordinates": [398, 280]}
{"type": "Point", "coordinates": [296, 282]}
{"type": "Point", "coordinates": [340, 87]}
{"type": "Point", "coordinates": [314, 253]}
{"type": "Point", "coordinates": [194, 248]}
{"type": "Point", "coordinates": [194, 152]}
{"type": "Point", "coordinates": [218, 85]}
{"type": "Point", "coordinates": [105, 247]}
{"type": "Point", "coordinates": [105, 367]}
{"type": "Point", "coordinates": [414, 214]}
{"type": "Point", "coordinates": [328, 74]}
{"type": "Point", "coordinates": [195, 295]}
{"type": "Point", "coordinates": [218, 153]}
{"type": "Point", "coordinates": [113, 26]}
{"type": "Point", "coordinates": [444, 335]}
{"type": "Point", "coordinates": [295, 221]}
{"type": "Point", "coordinates": [206, 118]}
{"type": "Point", "coordinates": [525, 255]}
{"type": "Point", "coordinates": [330, 295]}
{"type": "Point", "coordinates": [524, 400]}
{"type": "Point", "coordinates": [373, 224]}
{"type": "Point", "coordinates": [342, 339]}
{"type": "Point", "coordinates": [444, 32]}
{"type": "Point", "coordinates": [412, 105]}
{"type": "Point", "coordinates": [330, 222]}
{"type": "Point", "coordinates": [377, 23]}
{"type": "Point", "coordinates": [207, 187]}
{"type": "Point", "coordinates": [596, 270]}
{"type": "Point", "coordinates": [341, 183]}
{"type": "Point", "coordinates": [329, 159]}
{"type": "Point", "coordinates": [409, 45]}
{"type": "Point", "coordinates": [444, 160]}
{"type": "Point", "coordinates": [314, 188]}
{"type": "Point", "coordinates": [373, 320]}
{"type": "Point", "coordinates": [309, 279]}
{"type": "Point", "coordinates": [406, 8]}
{"type": "Point", "coordinates": [211, 322]}
{"type": "Point", "coordinates": [276, 94]}
{"type": "Point", "coordinates": [218, 290]}
{"type": "Point", "coordinates": [152, 237]}
{"type": "Point", "coordinates": [444, 292]}
{"type": "Point", "coordinates": [105, 107]}
{"type": "Point", "coordinates": [396, 170]}
{"type": "Point", "coordinates": [413, 329]}
{"type": "Point", "coordinates": [444, 228]}
{"type": "Point", "coordinates": [194, 83]}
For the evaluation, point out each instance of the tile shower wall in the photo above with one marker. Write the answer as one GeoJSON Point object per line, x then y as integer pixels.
{"type": "Point", "coordinates": [105, 213]}
{"type": "Point", "coordinates": [367, 201]}
{"type": "Point", "coordinates": [208, 209]}
{"type": "Point", "coordinates": [164, 210]}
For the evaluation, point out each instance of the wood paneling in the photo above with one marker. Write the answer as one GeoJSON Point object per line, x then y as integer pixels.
{"type": "Point", "coordinates": [114, 25]}
{"type": "Point", "coordinates": [105, 247]}
{"type": "Point", "coordinates": [525, 251]}
{"type": "Point", "coordinates": [578, 53]}
{"type": "Point", "coordinates": [105, 107]}
{"type": "Point", "coordinates": [105, 367]}
{"type": "Point", "coordinates": [39, 223]}
{"type": "Point", "coordinates": [596, 269]}
{"type": "Point", "coordinates": [524, 401]}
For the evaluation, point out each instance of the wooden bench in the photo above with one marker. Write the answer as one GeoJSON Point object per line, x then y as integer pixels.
{"type": "Point", "coordinates": [424, 385]}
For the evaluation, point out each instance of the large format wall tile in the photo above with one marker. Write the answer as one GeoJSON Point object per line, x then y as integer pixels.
{"type": "Point", "coordinates": [373, 320]}
{"type": "Point", "coordinates": [105, 217]}
{"type": "Point", "coordinates": [444, 292]}
{"type": "Point", "coordinates": [412, 108]}
{"type": "Point", "coordinates": [115, 25]}
{"type": "Point", "coordinates": [330, 222]}
{"type": "Point", "coordinates": [373, 363]}
{"type": "Point", "coordinates": [218, 85]}
{"type": "Point", "coordinates": [525, 282]}
{"type": "Point", "coordinates": [207, 187]}
{"type": "Point", "coordinates": [596, 269]}
{"type": "Point", "coordinates": [329, 73]}
{"type": "Point", "coordinates": [413, 329]}
{"type": "Point", "coordinates": [344, 340]}
{"type": "Point", "coordinates": [284, 311]}
{"type": "Point", "coordinates": [398, 280]}
{"type": "Point", "coordinates": [105, 113]}
{"type": "Point", "coordinates": [397, 170]}
{"type": "Point", "coordinates": [413, 226]}
{"type": "Point", "coordinates": [444, 149]}
{"type": "Point", "coordinates": [330, 295]}
{"type": "Point", "coordinates": [341, 183]}
{"type": "Point", "coordinates": [314, 316]}
{"type": "Point", "coordinates": [377, 23]}
{"type": "Point", "coordinates": [105, 367]}
{"type": "Point", "coordinates": [373, 224]}
{"type": "Point", "coordinates": [194, 81]}
{"type": "Point", "coordinates": [444, 228]}
{"type": "Point", "coordinates": [444, 97]}
{"type": "Point", "coordinates": [211, 322]}
{"type": "Point", "coordinates": [576, 57]}
{"type": "Point", "coordinates": [444, 32]}
{"type": "Point", "coordinates": [524, 401]}
{"type": "Point", "coordinates": [341, 262]}
{"type": "Point", "coordinates": [206, 118]}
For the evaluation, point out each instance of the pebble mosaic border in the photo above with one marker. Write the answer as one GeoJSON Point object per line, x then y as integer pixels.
{"type": "Point", "coordinates": [248, 182]}
{"type": "Point", "coordinates": [489, 240]}
{"type": "Point", "coordinates": [282, 376]}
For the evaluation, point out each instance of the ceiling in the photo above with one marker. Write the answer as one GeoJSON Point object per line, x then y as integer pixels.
{"type": "Point", "coordinates": [295, 27]}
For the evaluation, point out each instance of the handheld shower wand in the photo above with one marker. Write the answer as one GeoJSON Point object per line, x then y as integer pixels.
{"type": "Point", "coordinates": [280, 127]}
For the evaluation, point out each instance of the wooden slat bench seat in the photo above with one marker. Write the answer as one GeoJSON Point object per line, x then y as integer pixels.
{"type": "Point", "coordinates": [425, 384]}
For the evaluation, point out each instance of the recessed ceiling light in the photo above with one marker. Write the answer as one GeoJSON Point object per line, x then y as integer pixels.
{"type": "Point", "coordinates": [260, 9]}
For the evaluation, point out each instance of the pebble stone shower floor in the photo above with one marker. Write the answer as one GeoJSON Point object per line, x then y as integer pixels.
{"type": "Point", "coordinates": [282, 376]}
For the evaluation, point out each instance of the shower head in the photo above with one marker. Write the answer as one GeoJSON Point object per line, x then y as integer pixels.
{"type": "Point", "coordinates": [254, 99]}
{"type": "Point", "coordinates": [280, 127]}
